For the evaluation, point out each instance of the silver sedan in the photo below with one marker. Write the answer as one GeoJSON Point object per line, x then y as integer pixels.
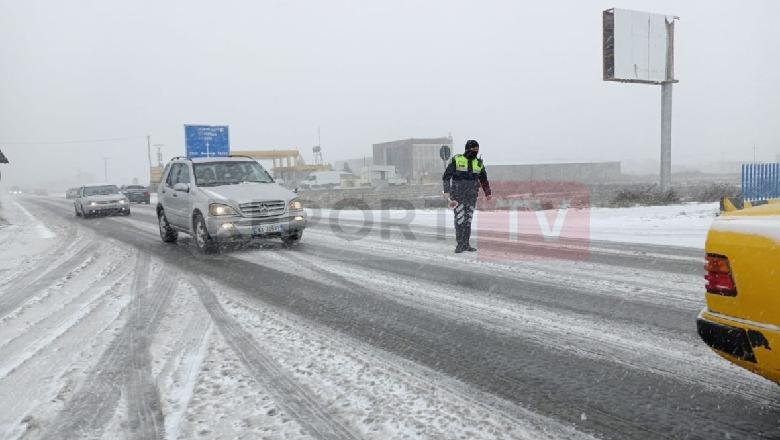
{"type": "Point", "coordinates": [100, 200]}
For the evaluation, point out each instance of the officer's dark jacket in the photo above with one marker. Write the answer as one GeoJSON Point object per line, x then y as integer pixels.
{"type": "Point", "coordinates": [463, 175]}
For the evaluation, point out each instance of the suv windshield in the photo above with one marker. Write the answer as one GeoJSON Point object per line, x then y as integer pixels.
{"type": "Point", "coordinates": [135, 187]}
{"type": "Point", "coordinates": [229, 173]}
{"type": "Point", "coordinates": [100, 190]}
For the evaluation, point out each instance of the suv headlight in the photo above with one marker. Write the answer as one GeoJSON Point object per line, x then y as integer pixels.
{"type": "Point", "coordinates": [295, 205]}
{"type": "Point", "coordinates": [218, 209]}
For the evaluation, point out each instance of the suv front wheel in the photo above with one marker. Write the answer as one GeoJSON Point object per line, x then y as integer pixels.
{"type": "Point", "coordinates": [203, 240]}
{"type": "Point", "coordinates": [167, 233]}
{"type": "Point", "coordinates": [291, 240]}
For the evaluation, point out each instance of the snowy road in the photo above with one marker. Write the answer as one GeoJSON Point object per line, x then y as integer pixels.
{"type": "Point", "coordinates": [106, 332]}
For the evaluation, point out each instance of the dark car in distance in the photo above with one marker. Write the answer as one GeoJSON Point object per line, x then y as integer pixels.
{"type": "Point", "coordinates": [136, 193]}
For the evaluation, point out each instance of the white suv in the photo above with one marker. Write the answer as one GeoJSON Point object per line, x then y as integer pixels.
{"type": "Point", "coordinates": [223, 199]}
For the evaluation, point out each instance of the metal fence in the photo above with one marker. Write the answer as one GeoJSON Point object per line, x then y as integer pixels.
{"type": "Point", "coordinates": [760, 181]}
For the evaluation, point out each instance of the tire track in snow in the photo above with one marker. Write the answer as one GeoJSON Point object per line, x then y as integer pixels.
{"type": "Point", "coordinates": [43, 378]}
{"type": "Point", "coordinates": [662, 353]}
{"type": "Point", "coordinates": [121, 368]}
{"type": "Point", "coordinates": [144, 409]}
{"type": "Point", "coordinates": [39, 312]}
{"type": "Point", "coordinates": [179, 375]}
{"type": "Point", "coordinates": [646, 284]}
{"type": "Point", "coordinates": [297, 400]}
{"type": "Point", "coordinates": [18, 292]}
{"type": "Point", "coordinates": [534, 334]}
{"type": "Point", "coordinates": [42, 334]}
{"type": "Point", "coordinates": [526, 290]}
{"type": "Point", "coordinates": [532, 426]}
{"type": "Point", "coordinates": [586, 276]}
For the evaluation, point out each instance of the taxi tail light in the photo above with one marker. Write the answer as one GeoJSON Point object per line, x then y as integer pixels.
{"type": "Point", "coordinates": [719, 279]}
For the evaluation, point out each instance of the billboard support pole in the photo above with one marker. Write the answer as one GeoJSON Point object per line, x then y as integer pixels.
{"type": "Point", "coordinates": [666, 111]}
{"type": "Point", "coordinates": [666, 136]}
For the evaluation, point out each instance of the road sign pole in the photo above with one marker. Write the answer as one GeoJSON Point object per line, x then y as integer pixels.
{"type": "Point", "coordinates": [666, 136]}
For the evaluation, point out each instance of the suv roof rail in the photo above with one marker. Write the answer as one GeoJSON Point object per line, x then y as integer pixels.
{"type": "Point", "coordinates": [181, 157]}
{"type": "Point", "coordinates": [241, 155]}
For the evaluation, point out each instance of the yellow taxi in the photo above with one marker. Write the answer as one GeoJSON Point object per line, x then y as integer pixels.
{"type": "Point", "coordinates": [741, 321]}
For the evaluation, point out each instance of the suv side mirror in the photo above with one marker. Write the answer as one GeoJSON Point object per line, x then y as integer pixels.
{"type": "Point", "coordinates": [185, 187]}
{"type": "Point", "coordinates": [295, 190]}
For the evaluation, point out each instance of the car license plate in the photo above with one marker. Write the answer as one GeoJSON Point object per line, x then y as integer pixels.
{"type": "Point", "coordinates": [267, 229]}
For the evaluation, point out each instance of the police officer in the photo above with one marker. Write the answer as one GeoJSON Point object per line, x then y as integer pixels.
{"type": "Point", "coordinates": [464, 175]}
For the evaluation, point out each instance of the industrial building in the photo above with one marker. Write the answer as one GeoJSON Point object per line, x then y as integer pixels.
{"type": "Point", "coordinates": [416, 159]}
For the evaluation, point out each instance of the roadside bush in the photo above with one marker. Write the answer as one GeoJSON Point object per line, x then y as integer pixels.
{"type": "Point", "coordinates": [645, 196]}
{"type": "Point", "coordinates": [714, 192]}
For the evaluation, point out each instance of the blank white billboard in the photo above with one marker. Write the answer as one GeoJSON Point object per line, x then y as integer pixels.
{"type": "Point", "coordinates": [637, 46]}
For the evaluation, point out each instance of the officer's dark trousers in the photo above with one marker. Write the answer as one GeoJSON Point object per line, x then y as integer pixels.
{"type": "Point", "coordinates": [464, 212]}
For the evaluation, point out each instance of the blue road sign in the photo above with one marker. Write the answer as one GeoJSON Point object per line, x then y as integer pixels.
{"type": "Point", "coordinates": [206, 140]}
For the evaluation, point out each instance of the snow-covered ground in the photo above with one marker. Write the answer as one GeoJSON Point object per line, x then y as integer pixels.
{"type": "Point", "coordinates": [100, 340]}
{"type": "Point", "coordinates": [103, 337]}
{"type": "Point", "coordinates": [673, 225]}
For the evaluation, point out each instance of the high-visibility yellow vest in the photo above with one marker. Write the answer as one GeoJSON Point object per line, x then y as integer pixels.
{"type": "Point", "coordinates": [462, 164]}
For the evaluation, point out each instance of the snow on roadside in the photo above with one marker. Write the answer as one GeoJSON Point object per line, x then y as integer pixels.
{"type": "Point", "coordinates": [23, 238]}
{"type": "Point", "coordinates": [40, 228]}
{"type": "Point", "coordinates": [673, 225]}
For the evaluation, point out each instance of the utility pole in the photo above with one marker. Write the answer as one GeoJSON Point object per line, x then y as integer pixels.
{"type": "Point", "coordinates": [105, 169]}
{"type": "Point", "coordinates": [159, 154]}
{"type": "Point", "coordinates": [149, 149]}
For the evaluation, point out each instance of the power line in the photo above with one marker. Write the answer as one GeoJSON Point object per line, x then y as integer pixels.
{"type": "Point", "coordinates": [85, 141]}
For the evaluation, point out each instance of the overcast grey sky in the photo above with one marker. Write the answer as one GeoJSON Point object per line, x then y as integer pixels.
{"type": "Point", "coordinates": [524, 78]}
